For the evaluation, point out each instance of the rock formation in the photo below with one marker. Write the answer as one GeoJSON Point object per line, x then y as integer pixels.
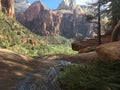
{"type": "Point", "coordinates": [109, 52]}
{"type": "Point", "coordinates": [7, 7]}
{"type": "Point", "coordinates": [21, 5]}
{"type": "Point", "coordinates": [39, 19]}
{"type": "Point", "coordinates": [87, 45]}
{"type": "Point", "coordinates": [70, 23]}
{"type": "Point", "coordinates": [67, 5]}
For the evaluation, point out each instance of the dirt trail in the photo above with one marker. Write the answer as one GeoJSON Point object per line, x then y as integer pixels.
{"type": "Point", "coordinates": [14, 67]}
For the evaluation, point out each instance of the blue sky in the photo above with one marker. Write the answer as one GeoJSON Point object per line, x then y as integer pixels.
{"type": "Point", "coordinates": [53, 4]}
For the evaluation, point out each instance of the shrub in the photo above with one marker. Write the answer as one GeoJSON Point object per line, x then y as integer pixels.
{"type": "Point", "coordinates": [20, 39]}
{"type": "Point", "coordinates": [91, 77]}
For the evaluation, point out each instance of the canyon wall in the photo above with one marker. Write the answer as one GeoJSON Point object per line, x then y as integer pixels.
{"type": "Point", "coordinates": [68, 22]}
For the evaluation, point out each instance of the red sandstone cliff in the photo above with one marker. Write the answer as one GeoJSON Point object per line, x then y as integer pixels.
{"type": "Point", "coordinates": [68, 23]}
{"type": "Point", "coordinates": [40, 20]}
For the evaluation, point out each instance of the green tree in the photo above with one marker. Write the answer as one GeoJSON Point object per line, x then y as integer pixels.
{"type": "Point", "coordinates": [111, 9]}
{"type": "Point", "coordinates": [115, 6]}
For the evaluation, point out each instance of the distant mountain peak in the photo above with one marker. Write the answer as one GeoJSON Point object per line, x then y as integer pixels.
{"type": "Point", "coordinates": [69, 2]}
{"type": "Point", "coordinates": [68, 5]}
{"type": "Point", "coordinates": [21, 5]}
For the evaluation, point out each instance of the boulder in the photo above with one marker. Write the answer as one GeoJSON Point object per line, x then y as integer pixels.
{"type": "Point", "coordinates": [109, 52]}
{"type": "Point", "coordinates": [85, 45]}
{"type": "Point", "coordinates": [86, 58]}
{"type": "Point", "coordinates": [76, 45]}
{"type": "Point", "coordinates": [88, 45]}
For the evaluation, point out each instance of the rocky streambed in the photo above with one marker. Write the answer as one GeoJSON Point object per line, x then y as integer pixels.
{"type": "Point", "coordinates": [43, 81]}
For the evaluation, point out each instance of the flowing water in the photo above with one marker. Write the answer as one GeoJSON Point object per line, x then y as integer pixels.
{"type": "Point", "coordinates": [48, 80]}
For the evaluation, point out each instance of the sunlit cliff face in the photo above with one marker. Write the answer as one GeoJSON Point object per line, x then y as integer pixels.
{"type": "Point", "coordinates": [21, 5]}
{"type": "Point", "coordinates": [67, 4]}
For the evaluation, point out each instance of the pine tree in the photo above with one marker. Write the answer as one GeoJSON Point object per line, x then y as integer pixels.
{"type": "Point", "coordinates": [115, 6]}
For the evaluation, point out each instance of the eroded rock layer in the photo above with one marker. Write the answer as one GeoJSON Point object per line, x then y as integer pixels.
{"type": "Point", "coordinates": [70, 23]}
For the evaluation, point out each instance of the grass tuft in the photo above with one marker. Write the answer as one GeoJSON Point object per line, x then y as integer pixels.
{"type": "Point", "coordinates": [91, 77]}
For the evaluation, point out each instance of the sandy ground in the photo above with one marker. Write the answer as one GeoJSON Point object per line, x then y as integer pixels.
{"type": "Point", "coordinates": [14, 66]}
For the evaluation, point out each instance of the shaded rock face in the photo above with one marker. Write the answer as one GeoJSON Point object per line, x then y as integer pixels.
{"type": "Point", "coordinates": [7, 6]}
{"type": "Point", "coordinates": [74, 25]}
{"type": "Point", "coordinates": [68, 23]}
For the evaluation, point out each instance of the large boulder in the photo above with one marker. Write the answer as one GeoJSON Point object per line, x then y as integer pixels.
{"type": "Point", "coordinates": [86, 58]}
{"type": "Point", "coordinates": [109, 52]}
{"type": "Point", "coordinates": [85, 45]}
{"type": "Point", "coordinates": [76, 45]}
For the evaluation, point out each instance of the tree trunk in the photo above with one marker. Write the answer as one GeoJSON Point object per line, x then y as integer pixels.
{"type": "Point", "coordinates": [99, 24]}
{"type": "Point", "coordinates": [116, 33]}
{"type": "Point", "coordinates": [0, 6]}
{"type": "Point", "coordinates": [7, 7]}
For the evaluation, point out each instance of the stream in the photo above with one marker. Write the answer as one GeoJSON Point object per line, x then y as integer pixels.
{"type": "Point", "coordinates": [48, 80]}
